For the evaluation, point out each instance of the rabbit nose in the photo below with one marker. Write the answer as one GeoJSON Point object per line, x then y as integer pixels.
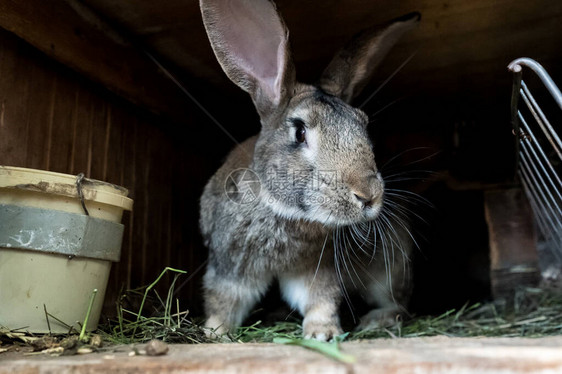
{"type": "Point", "coordinates": [367, 201]}
{"type": "Point", "coordinates": [369, 192]}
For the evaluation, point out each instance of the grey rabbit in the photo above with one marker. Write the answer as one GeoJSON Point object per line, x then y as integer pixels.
{"type": "Point", "coordinates": [302, 201]}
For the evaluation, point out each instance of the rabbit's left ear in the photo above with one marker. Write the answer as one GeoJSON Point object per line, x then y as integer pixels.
{"type": "Point", "coordinates": [352, 67]}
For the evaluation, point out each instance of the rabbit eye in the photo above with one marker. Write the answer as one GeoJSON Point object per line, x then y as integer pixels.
{"type": "Point", "coordinates": [300, 132]}
{"type": "Point", "coordinates": [300, 135]}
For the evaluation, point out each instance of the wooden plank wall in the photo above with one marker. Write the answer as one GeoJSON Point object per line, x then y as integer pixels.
{"type": "Point", "coordinates": [52, 119]}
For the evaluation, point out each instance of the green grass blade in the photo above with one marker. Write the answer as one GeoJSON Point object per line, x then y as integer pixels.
{"type": "Point", "coordinates": [150, 287]}
{"type": "Point", "coordinates": [330, 350]}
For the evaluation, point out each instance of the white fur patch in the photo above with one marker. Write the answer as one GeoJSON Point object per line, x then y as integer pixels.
{"type": "Point", "coordinates": [373, 212]}
{"type": "Point", "coordinates": [295, 291]}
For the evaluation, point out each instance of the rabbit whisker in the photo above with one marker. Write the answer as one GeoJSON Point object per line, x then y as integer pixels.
{"type": "Point", "coordinates": [404, 211]}
{"type": "Point", "coordinates": [401, 210]}
{"type": "Point", "coordinates": [375, 231]}
{"type": "Point", "coordinates": [394, 158]}
{"type": "Point", "coordinates": [343, 252]}
{"type": "Point", "coordinates": [340, 279]}
{"type": "Point", "coordinates": [387, 246]}
{"type": "Point", "coordinates": [349, 251]}
{"type": "Point", "coordinates": [380, 87]}
{"type": "Point", "coordinates": [408, 175]}
{"type": "Point", "coordinates": [319, 261]}
{"type": "Point", "coordinates": [386, 290]}
{"type": "Point", "coordinates": [402, 222]}
{"type": "Point", "coordinates": [352, 229]}
{"type": "Point", "coordinates": [385, 107]}
{"type": "Point", "coordinates": [393, 237]}
{"type": "Point", "coordinates": [400, 192]}
{"type": "Point", "coordinates": [367, 235]}
{"type": "Point", "coordinates": [405, 179]}
{"type": "Point", "coordinates": [399, 221]}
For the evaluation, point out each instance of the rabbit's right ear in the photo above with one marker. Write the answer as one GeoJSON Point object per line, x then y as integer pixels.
{"type": "Point", "coordinates": [250, 42]}
{"type": "Point", "coordinates": [352, 67]}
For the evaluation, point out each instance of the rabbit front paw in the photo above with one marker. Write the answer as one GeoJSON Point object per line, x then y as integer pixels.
{"type": "Point", "coordinates": [323, 331]}
{"type": "Point", "coordinates": [215, 329]}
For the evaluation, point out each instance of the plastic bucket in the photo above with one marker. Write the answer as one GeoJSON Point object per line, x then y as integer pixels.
{"type": "Point", "coordinates": [58, 237]}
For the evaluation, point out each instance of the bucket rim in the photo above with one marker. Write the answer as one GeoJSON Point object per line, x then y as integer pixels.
{"type": "Point", "coordinates": [37, 180]}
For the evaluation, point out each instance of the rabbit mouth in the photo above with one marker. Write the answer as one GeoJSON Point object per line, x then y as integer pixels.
{"type": "Point", "coordinates": [366, 214]}
{"type": "Point", "coordinates": [350, 214]}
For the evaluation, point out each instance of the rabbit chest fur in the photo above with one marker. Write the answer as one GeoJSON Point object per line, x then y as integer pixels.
{"type": "Point", "coordinates": [248, 238]}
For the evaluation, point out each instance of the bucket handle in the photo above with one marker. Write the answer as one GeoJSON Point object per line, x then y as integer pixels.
{"type": "Point", "coordinates": [79, 179]}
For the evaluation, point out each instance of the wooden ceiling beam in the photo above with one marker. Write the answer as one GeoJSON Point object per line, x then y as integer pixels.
{"type": "Point", "coordinates": [70, 33]}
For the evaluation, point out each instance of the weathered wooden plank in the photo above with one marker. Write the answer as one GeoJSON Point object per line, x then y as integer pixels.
{"type": "Point", "coordinates": [83, 129]}
{"type": "Point", "coordinates": [142, 202]}
{"type": "Point", "coordinates": [98, 139]}
{"type": "Point", "coordinates": [513, 253]}
{"type": "Point", "coordinates": [425, 355]}
{"type": "Point", "coordinates": [62, 120]}
{"type": "Point", "coordinates": [114, 139]}
{"type": "Point", "coordinates": [13, 97]}
{"type": "Point", "coordinates": [70, 33]}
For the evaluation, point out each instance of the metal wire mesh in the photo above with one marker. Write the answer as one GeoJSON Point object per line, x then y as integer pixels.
{"type": "Point", "coordinates": [539, 154]}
